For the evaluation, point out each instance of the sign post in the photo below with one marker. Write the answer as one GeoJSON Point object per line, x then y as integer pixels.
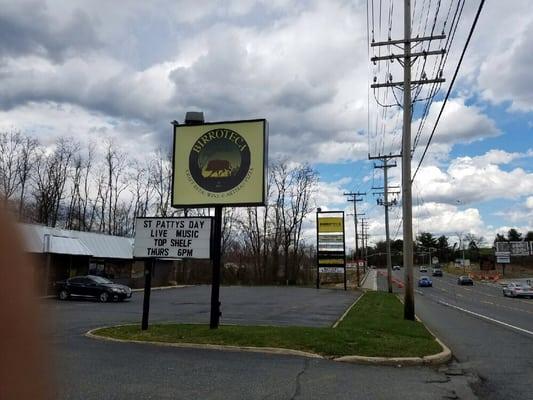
{"type": "Point", "coordinates": [219, 164]}
{"type": "Point", "coordinates": [331, 251]}
{"type": "Point", "coordinates": [215, 284]}
{"type": "Point", "coordinates": [168, 238]}
{"type": "Point", "coordinates": [148, 271]}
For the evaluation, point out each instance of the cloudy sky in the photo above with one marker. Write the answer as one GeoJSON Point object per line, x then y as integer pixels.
{"type": "Point", "coordinates": [95, 69]}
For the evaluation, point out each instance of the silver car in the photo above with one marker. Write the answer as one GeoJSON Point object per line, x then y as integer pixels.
{"type": "Point", "coordinates": [516, 289]}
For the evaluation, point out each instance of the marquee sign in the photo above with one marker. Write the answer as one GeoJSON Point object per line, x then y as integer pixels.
{"type": "Point", "coordinates": [172, 238]}
{"type": "Point", "coordinates": [222, 163]}
{"type": "Point", "coordinates": [331, 252]}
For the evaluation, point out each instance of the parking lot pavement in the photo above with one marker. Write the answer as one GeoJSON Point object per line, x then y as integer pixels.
{"type": "Point", "coordinates": [90, 369]}
{"type": "Point", "coordinates": [240, 304]}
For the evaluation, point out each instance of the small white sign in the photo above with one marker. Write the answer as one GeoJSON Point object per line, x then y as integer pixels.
{"type": "Point", "coordinates": [172, 237]}
{"type": "Point", "coordinates": [331, 270]}
{"type": "Point", "coordinates": [502, 253]}
{"type": "Point", "coordinates": [503, 259]}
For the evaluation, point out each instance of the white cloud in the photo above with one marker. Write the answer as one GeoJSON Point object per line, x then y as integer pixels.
{"type": "Point", "coordinates": [474, 179]}
{"type": "Point", "coordinates": [459, 123]}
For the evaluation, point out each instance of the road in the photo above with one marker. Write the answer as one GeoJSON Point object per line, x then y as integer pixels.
{"type": "Point", "coordinates": [91, 369]}
{"type": "Point", "coordinates": [491, 336]}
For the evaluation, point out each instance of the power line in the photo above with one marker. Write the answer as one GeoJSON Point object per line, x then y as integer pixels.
{"type": "Point", "coordinates": [450, 88]}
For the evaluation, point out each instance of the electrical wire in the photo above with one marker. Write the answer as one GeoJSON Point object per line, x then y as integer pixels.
{"type": "Point", "coordinates": [476, 18]}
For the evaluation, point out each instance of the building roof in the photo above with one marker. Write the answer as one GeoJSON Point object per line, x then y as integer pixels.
{"type": "Point", "coordinates": [63, 241]}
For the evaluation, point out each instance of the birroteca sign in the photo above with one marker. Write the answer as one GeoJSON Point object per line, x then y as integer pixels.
{"type": "Point", "coordinates": [222, 163]}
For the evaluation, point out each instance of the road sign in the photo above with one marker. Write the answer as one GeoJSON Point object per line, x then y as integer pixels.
{"type": "Point", "coordinates": [172, 237]}
{"type": "Point", "coordinates": [331, 270]}
{"type": "Point", "coordinates": [519, 248]}
{"type": "Point", "coordinates": [502, 253]}
{"type": "Point", "coordinates": [503, 259]}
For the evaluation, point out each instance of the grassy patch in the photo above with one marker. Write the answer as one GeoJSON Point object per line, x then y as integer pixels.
{"type": "Point", "coordinates": [374, 327]}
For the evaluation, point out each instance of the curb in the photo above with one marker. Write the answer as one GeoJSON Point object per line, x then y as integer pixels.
{"type": "Point", "coordinates": [364, 278]}
{"type": "Point", "coordinates": [249, 349]}
{"type": "Point", "coordinates": [347, 311]}
{"type": "Point", "coordinates": [434, 359]}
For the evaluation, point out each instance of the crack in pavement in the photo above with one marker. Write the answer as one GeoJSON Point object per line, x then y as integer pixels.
{"type": "Point", "coordinates": [298, 383]}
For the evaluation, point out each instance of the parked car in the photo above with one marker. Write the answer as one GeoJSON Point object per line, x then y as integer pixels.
{"type": "Point", "coordinates": [423, 268]}
{"type": "Point", "coordinates": [516, 289]}
{"type": "Point", "coordinates": [395, 267]}
{"type": "Point", "coordinates": [437, 272]}
{"type": "Point", "coordinates": [465, 280]}
{"type": "Point", "coordinates": [424, 281]}
{"type": "Point", "coordinates": [92, 286]}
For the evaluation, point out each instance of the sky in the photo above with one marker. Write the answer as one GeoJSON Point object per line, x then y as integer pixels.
{"type": "Point", "coordinates": [98, 69]}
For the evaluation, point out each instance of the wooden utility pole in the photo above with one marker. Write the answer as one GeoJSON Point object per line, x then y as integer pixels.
{"type": "Point", "coordinates": [385, 202]}
{"type": "Point", "coordinates": [354, 199]}
{"type": "Point", "coordinates": [406, 60]}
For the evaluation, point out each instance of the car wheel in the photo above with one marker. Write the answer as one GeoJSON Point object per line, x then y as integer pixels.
{"type": "Point", "coordinates": [63, 295]}
{"type": "Point", "coordinates": [103, 297]}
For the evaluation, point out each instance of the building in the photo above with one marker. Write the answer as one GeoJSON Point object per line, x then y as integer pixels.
{"type": "Point", "coordinates": [59, 254]}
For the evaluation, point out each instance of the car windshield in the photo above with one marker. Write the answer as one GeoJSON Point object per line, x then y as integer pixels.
{"type": "Point", "coordinates": [99, 279]}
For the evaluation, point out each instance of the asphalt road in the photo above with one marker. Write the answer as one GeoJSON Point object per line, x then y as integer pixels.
{"type": "Point", "coordinates": [490, 335]}
{"type": "Point", "coordinates": [89, 369]}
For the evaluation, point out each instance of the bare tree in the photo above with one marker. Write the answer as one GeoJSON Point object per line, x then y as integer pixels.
{"type": "Point", "coordinates": [294, 188]}
{"type": "Point", "coordinates": [304, 186]}
{"type": "Point", "coordinates": [50, 179]}
{"type": "Point", "coordinates": [11, 144]}
{"type": "Point", "coordinates": [161, 172]}
{"type": "Point", "coordinates": [26, 167]}
{"type": "Point", "coordinates": [141, 190]}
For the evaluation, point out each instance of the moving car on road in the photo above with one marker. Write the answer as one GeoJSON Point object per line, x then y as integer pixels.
{"type": "Point", "coordinates": [465, 280]}
{"type": "Point", "coordinates": [424, 281]}
{"type": "Point", "coordinates": [516, 289]}
{"type": "Point", "coordinates": [437, 271]}
{"type": "Point", "coordinates": [423, 268]}
{"type": "Point", "coordinates": [92, 286]}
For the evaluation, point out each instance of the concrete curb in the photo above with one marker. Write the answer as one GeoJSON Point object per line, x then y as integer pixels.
{"type": "Point", "coordinates": [347, 311]}
{"type": "Point", "coordinates": [434, 359]}
{"type": "Point", "coordinates": [250, 349]}
{"type": "Point", "coordinates": [364, 278]}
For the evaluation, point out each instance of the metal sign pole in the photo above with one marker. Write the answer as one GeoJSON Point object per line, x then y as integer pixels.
{"type": "Point", "coordinates": [215, 284]}
{"type": "Point", "coordinates": [148, 270]}
{"type": "Point", "coordinates": [344, 253]}
{"type": "Point", "coordinates": [317, 260]}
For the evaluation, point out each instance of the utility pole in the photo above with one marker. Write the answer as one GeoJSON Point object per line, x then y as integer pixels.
{"type": "Point", "coordinates": [364, 249]}
{"type": "Point", "coordinates": [355, 199]}
{"type": "Point", "coordinates": [407, 60]}
{"type": "Point", "coordinates": [385, 202]}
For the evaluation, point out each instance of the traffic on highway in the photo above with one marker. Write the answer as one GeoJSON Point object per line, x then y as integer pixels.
{"type": "Point", "coordinates": [490, 331]}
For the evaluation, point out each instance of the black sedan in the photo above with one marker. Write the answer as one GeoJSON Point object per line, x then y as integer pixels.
{"type": "Point", "coordinates": [465, 280]}
{"type": "Point", "coordinates": [92, 286]}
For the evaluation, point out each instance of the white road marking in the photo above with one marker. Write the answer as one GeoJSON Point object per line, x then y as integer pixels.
{"type": "Point", "coordinates": [487, 318]}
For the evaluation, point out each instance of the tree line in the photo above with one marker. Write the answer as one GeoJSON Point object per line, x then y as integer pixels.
{"type": "Point", "coordinates": [100, 188]}
{"type": "Point", "coordinates": [442, 247]}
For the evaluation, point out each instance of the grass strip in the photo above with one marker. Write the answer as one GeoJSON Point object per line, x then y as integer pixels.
{"type": "Point", "coordinates": [374, 327]}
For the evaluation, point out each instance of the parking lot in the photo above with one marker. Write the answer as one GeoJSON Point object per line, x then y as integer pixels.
{"type": "Point", "coordinates": [240, 304]}
{"type": "Point", "coordinates": [85, 369]}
